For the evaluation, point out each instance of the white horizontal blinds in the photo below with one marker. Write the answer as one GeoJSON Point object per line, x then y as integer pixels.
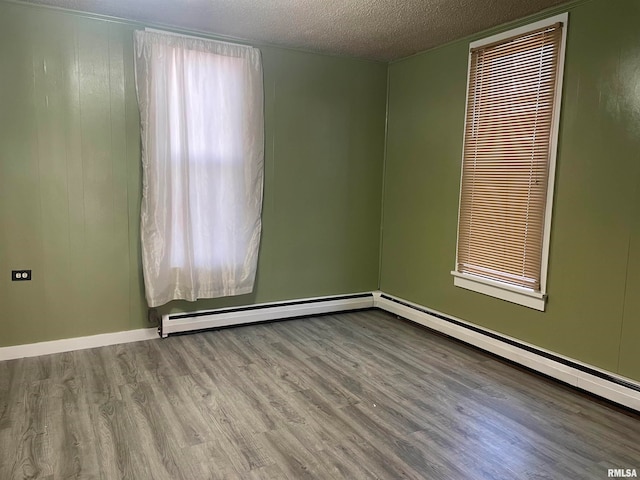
{"type": "Point", "coordinates": [512, 87]}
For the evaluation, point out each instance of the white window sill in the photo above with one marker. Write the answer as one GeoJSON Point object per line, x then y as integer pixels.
{"type": "Point", "coordinates": [521, 296]}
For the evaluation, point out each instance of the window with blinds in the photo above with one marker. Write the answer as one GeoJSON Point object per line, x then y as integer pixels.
{"type": "Point", "coordinates": [509, 157]}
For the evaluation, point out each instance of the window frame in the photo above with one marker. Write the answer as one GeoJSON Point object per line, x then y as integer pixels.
{"type": "Point", "coordinates": [502, 290]}
{"type": "Point", "coordinates": [187, 100]}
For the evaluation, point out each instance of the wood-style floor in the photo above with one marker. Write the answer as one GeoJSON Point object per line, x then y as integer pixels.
{"type": "Point", "coordinates": [359, 395]}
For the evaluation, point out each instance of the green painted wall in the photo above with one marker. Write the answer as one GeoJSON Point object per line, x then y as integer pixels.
{"type": "Point", "coordinates": [593, 312]}
{"type": "Point", "coordinates": [70, 184]}
{"type": "Point", "coordinates": [70, 177]}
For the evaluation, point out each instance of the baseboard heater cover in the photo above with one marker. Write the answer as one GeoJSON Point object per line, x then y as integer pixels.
{"type": "Point", "coordinates": [223, 317]}
{"type": "Point", "coordinates": [585, 377]}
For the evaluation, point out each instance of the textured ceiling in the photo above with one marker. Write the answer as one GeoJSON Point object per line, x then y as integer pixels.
{"type": "Point", "coordinates": [372, 29]}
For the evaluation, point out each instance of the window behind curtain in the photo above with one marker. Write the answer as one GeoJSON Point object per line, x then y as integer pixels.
{"type": "Point", "coordinates": [509, 145]}
{"type": "Point", "coordinates": [202, 136]}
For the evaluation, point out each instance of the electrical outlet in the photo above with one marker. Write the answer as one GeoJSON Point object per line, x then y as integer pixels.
{"type": "Point", "coordinates": [20, 275]}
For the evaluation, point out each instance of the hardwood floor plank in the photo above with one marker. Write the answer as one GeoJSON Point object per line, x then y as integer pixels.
{"type": "Point", "coordinates": [29, 433]}
{"type": "Point", "coordinates": [221, 407]}
{"type": "Point", "coordinates": [350, 462]}
{"type": "Point", "coordinates": [293, 458]}
{"type": "Point", "coordinates": [72, 441]}
{"type": "Point", "coordinates": [9, 371]}
{"type": "Point", "coordinates": [342, 425]}
{"type": "Point", "coordinates": [101, 385]}
{"type": "Point", "coordinates": [112, 445]}
{"type": "Point", "coordinates": [190, 427]}
{"type": "Point", "coordinates": [360, 395]}
{"type": "Point", "coordinates": [271, 472]}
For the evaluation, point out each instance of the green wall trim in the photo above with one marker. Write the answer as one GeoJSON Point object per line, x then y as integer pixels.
{"type": "Point", "coordinates": [384, 174]}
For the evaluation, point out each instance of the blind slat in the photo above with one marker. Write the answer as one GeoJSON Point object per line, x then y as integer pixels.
{"type": "Point", "coordinates": [505, 166]}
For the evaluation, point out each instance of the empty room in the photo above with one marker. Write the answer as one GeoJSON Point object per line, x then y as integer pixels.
{"type": "Point", "coordinates": [245, 239]}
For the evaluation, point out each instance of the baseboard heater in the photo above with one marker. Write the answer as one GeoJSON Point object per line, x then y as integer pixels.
{"type": "Point", "coordinates": [585, 377]}
{"type": "Point", "coordinates": [223, 317]}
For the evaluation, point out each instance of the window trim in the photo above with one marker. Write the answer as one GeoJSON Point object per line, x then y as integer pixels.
{"type": "Point", "coordinates": [519, 295]}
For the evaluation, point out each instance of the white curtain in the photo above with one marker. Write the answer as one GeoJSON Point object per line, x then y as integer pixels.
{"type": "Point", "coordinates": [201, 109]}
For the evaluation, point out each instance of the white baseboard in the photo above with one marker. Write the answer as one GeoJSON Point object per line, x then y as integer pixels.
{"type": "Point", "coordinates": [77, 343]}
{"type": "Point", "coordinates": [562, 368]}
{"type": "Point", "coordinates": [199, 321]}
{"type": "Point", "coordinates": [179, 323]}
{"type": "Point", "coordinates": [600, 382]}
